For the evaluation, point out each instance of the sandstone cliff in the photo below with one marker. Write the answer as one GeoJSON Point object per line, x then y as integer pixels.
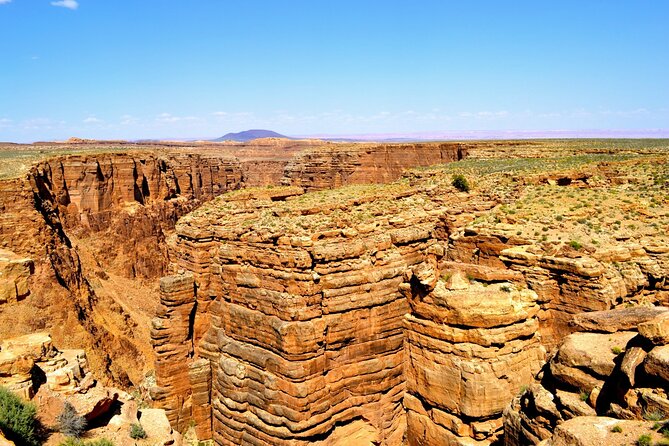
{"type": "Point", "coordinates": [406, 310]}
{"type": "Point", "coordinates": [112, 211]}
{"type": "Point", "coordinates": [333, 166]}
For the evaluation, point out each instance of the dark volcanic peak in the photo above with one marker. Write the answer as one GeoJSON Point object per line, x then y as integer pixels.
{"type": "Point", "coordinates": [248, 135]}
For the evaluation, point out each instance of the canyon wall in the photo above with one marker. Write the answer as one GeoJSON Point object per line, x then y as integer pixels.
{"type": "Point", "coordinates": [326, 350]}
{"type": "Point", "coordinates": [82, 222]}
{"type": "Point", "coordinates": [84, 236]}
{"type": "Point", "coordinates": [337, 165]}
{"type": "Point", "coordinates": [391, 311]}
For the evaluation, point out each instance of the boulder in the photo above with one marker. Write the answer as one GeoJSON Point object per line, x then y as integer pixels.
{"type": "Point", "coordinates": [634, 356]}
{"type": "Point", "coordinates": [657, 362]}
{"type": "Point", "coordinates": [157, 428]}
{"type": "Point", "coordinates": [94, 403]}
{"type": "Point", "coordinates": [656, 330]}
{"type": "Point", "coordinates": [594, 353]}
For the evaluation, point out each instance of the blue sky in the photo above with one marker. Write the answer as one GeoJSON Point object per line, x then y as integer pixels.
{"type": "Point", "coordinates": [201, 68]}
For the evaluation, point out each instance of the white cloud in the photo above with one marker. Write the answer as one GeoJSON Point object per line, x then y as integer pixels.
{"type": "Point", "coordinates": [4, 2]}
{"type": "Point", "coordinates": [92, 120]}
{"type": "Point", "coordinates": [128, 120]}
{"type": "Point", "coordinates": [169, 118]}
{"type": "Point", "coordinates": [69, 4]}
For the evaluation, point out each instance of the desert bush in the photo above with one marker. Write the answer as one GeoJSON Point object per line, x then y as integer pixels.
{"type": "Point", "coordinates": [460, 183]}
{"type": "Point", "coordinates": [644, 440]}
{"type": "Point", "coordinates": [70, 423]}
{"type": "Point", "coordinates": [17, 419]}
{"type": "Point", "coordinates": [654, 415]}
{"type": "Point", "coordinates": [616, 428]}
{"type": "Point", "coordinates": [137, 431]}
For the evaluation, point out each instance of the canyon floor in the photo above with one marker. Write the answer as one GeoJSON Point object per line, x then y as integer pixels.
{"type": "Point", "coordinates": [299, 292]}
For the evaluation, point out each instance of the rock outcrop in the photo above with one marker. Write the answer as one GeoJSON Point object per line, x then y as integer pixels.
{"type": "Point", "coordinates": [324, 301]}
{"type": "Point", "coordinates": [619, 374]}
{"type": "Point", "coordinates": [469, 350]}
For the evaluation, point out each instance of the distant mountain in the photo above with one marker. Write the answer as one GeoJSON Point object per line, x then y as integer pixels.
{"type": "Point", "coordinates": [248, 135]}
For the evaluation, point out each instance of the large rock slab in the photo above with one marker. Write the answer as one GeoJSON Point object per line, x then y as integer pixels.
{"type": "Point", "coordinates": [657, 363]}
{"type": "Point", "coordinates": [598, 431]}
{"type": "Point", "coordinates": [594, 353]}
{"type": "Point", "coordinates": [619, 319]}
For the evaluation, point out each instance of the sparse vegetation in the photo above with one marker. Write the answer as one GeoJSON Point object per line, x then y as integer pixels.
{"type": "Point", "coordinates": [460, 183]}
{"type": "Point", "coordinates": [616, 428]}
{"type": "Point", "coordinates": [17, 419]}
{"type": "Point", "coordinates": [616, 350]}
{"type": "Point", "coordinates": [644, 440]}
{"type": "Point", "coordinates": [70, 423]}
{"type": "Point", "coordinates": [654, 415]}
{"type": "Point", "coordinates": [137, 432]}
{"type": "Point", "coordinates": [584, 396]}
{"type": "Point", "coordinates": [576, 245]}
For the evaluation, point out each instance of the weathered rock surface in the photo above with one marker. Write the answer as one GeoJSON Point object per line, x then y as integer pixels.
{"type": "Point", "coordinates": [593, 375]}
{"type": "Point", "coordinates": [334, 166]}
{"type": "Point", "coordinates": [469, 351]}
{"type": "Point", "coordinates": [14, 274]}
{"type": "Point", "coordinates": [597, 431]}
{"type": "Point", "coordinates": [327, 345]}
{"type": "Point", "coordinates": [617, 320]}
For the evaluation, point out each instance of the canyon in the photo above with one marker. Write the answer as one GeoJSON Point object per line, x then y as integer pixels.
{"type": "Point", "coordinates": [300, 292]}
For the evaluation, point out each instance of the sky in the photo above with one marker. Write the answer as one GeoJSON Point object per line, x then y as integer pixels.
{"type": "Point", "coordinates": [130, 69]}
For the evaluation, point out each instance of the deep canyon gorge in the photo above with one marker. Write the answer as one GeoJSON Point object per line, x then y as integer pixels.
{"type": "Point", "coordinates": [299, 292]}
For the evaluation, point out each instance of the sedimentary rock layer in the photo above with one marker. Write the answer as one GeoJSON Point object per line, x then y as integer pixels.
{"type": "Point", "coordinates": [326, 348]}
{"type": "Point", "coordinates": [333, 166]}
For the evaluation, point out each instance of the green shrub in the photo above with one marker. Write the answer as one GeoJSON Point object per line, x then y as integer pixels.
{"type": "Point", "coordinates": [644, 440]}
{"type": "Point", "coordinates": [17, 419]}
{"type": "Point", "coordinates": [584, 396]}
{"type": "Point", "coordinates": [616, 350]}
{"type": "Point", "coordinates": [576, 245]}
{"type": "Point", "coordinates": [70, 423]}
{"type": "Point", "coordinates": [460, 183]}
{"type": "Point", "coordinates": [137, 431]}
{"type": "Point", "coordinates": [616, 428]}
{"type": "Point", "coordinates": [654, 416]}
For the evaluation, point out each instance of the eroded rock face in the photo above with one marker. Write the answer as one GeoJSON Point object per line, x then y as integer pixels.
{"type": "Point", "coordinates": [97, 216]}
{"type": "Point", "coordinates": [290, 286]}
{"type": "Point", "coordinates": [134, 200]}
{"type": "Point", "coordinates": [326, 348]}
{"type": "Point", "coordinates": [334, 166]}
{"type": "Point", "coordinates": [14, 274]}
{"type": "Point", "coordinates": [469, 351]}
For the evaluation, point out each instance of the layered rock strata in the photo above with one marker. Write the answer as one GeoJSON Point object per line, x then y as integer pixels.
{"type": "Point", "coordinates": [134, 200]}
{"type": "Point", "coordinates": [477, 302]}
{"type": "Point", "coordinates": [470, 348]}
{"type": "Point", "coordinates": [334, 165]}
{"type": "Point", "coordinates": [323, 298]}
